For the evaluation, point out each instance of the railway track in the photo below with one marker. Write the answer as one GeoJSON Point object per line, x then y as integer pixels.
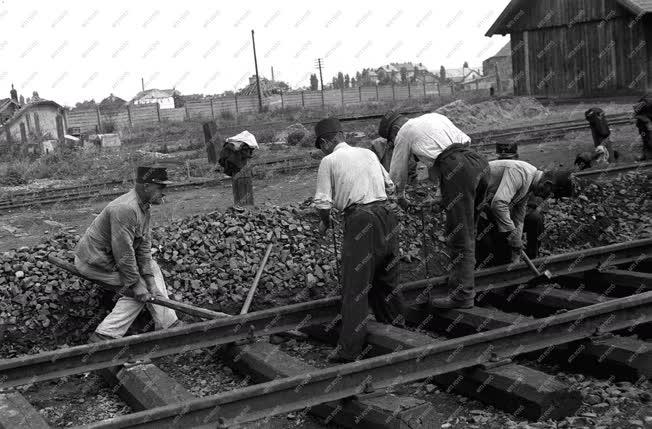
{"type": "Point", "coordinates": [598, 299]}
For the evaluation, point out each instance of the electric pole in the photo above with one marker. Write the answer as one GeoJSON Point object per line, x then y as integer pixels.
{"type": "Point", "coordinates": [260, 97]}
{"type": "Point", "coordinates": [321, 79]}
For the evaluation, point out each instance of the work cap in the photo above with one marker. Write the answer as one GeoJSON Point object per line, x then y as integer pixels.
{"type": "Point", "coordinates": [158, 175]}
{"type": "Point", "coordinates": [325, 127]}
{"type": "Point", "coordinates": [386, 123]}
{"type": "Point", "coordinates": [562, 184]}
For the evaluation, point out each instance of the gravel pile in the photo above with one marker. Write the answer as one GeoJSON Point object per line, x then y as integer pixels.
{"type": "Point", "coordinates": [493, 112]}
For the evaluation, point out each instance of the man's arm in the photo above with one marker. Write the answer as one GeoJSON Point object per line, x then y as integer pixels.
{"type": "Point", "coordinates": [123, 228]}
{"type": "Point", "coordinates": [323, 200]}
{"type": "Point", "coordinates": [398, 170]}
{"type": "Point", "coordinates": [519, 210]}
{"type": "Point", "coordinates": [390, 189]}
{"type": "Point", "coordinates": [509, 185]}
{"type": "Point", "coordinates": [144, 257]}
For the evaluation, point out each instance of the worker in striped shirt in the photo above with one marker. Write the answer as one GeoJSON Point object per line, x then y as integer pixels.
{"type": "Point", "coordinates": [353, 181]}
{"type": "Point", "coordinates": [503, 219]}
{"type": "Point", "coordinates": [462, 175]}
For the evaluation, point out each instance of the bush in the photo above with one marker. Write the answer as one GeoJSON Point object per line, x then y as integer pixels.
{"type": "Point", "coordinates": [295, 137]}
{"type": "Point", "coordinates": [13, 174]}
{"type": "Point", "coordinates": [227, 115]}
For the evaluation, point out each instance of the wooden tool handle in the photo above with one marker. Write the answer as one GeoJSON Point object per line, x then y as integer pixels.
{"type": "Point", "coordinates": [529, 263]}
{"type": "Point", "coordinates": [254, 286]}
{"type": "Point", "coordinates": [165, 302]}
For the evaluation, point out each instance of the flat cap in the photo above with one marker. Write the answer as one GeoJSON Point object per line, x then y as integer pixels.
{"type": "Point", "coordinates": [153, 174]}
{"type": "Point", "coordinates": [325, 127]}
{"type": "Point", "coordinates": [386, 123]}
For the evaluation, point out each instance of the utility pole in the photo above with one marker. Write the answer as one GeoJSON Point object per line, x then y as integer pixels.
{"type": "Point", "coordinates": [272, 73]}
{"type": "Point", "coordinates": [260, 97]}
{"type": "Point", "coordinates": [321, 79]}
{"type": "Point", "coordinates": [142, 84]}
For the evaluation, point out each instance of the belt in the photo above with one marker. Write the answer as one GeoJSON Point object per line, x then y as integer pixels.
{"type": "Point", "coordinates": [354, 207]}
{"type": "Point", "coordinates": [455, 147]}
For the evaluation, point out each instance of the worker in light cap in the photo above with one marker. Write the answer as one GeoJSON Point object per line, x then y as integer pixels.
{"type": "Point", "coordinates": [352, 180]}
{"type": "Point", "coordinates": [505, 215]}
{"type": "Point", "coordinates": [116, 249]}
{"type": "Point", "coordinates": [462, 175]}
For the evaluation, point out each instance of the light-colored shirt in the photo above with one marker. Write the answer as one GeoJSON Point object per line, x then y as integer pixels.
{"type": "Point", "coordinates": [426, 137]}
{"type": "Point", "coordinates": [509, 185]}
{"type": "Point", "coordinates": [119, 239]}
{"type": "Point", "coordinates": [351, 175]}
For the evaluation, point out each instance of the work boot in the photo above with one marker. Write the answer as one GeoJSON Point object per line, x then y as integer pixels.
{"type": "Point", "coordinates": [98, 338]}
{"type": "Point", "coordinates": [449, 303]}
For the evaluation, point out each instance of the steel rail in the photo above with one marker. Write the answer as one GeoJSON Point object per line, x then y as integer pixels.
{"type": "Point", "coordinates": [281, 396]}
{"type": "Point", "coordinates": [79, 359]}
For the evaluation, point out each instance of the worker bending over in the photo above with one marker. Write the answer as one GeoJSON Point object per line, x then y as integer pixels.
{"type": "Point", "coordinates": [512, 183]}
{"type": "Point", "coordinates": [462, 175]}
{"type": "Point", "coordinates": [352, 180]}
{"type": "Point", "coordinates": [116, 249]}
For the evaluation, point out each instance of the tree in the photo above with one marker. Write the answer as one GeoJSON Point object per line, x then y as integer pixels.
{"type": "Point", "coordinates": [340, 80]}
{"type": "Point", "coordinates": [334, 82]}
{"type": "Point", "coordinates": [357, 76]}
{"type": "Point", "coordinates": [442, 73]}
{"type": "Point", "coordinates": [403, 75]}
{"type": "Point", "coordinates": [314, 82]}
{"type": "Point", "coordinates": [347, 81]}
{"type": "Point", "coordinates": [353, 82]}
{"type": "Point", "coordinates": [415, 74]}
{"type": "Point", "coordinates": [466, 65]}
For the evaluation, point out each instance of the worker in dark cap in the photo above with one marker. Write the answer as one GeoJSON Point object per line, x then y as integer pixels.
{"type": "Point", "coordinates": [116, 249]}
{"type": "Point", "coordinates": [643, 116]}
{"type": "Point", "coordinates": [462, 175]}
{"type": "Point", "coordinates": [505, 215]}
{"type": "Point", "coordinates": [352, 180]}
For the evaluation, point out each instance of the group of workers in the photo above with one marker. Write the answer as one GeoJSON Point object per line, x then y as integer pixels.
{"type": "Point", "coordinates": [488, 207]}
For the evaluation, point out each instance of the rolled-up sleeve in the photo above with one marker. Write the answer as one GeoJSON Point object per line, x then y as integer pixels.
{"type": "Point", "coordinates": [398, 170]}
{"type": "Point", "coordinates": [123, 230]}
{"type": "Point", "coordinates": [389, 185]}
{"type": "Point", "coordinates": [324, 194]}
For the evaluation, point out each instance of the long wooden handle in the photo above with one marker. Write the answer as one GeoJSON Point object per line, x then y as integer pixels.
{"type": "Point", "coordinates": [165, 302]}
{"type": "Point", "coordinates": [529, 263]}
{"type": "Point", "coordinates": [254, 286]}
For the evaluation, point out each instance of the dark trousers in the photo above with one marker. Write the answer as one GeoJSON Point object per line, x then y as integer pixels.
{"type": "Point", "coordinates": [370, 260]}
{"type": "Point", "coordinates": [463, 179]}
{"type": "Point", "coordinates": [492, 246]}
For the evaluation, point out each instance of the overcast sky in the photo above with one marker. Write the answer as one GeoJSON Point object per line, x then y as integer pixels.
{"type": "Point", "coordinates": [74, 51]}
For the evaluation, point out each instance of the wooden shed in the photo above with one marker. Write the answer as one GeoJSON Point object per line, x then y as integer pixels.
{"type": "Point", "coordinates": [579, 47]}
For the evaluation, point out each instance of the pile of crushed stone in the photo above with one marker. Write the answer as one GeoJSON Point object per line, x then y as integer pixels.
{"type": "Point", "coordinates": [492, 113]}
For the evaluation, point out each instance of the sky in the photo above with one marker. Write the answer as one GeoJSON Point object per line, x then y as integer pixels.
{"type": "Point", "coordinates": [70, 51]}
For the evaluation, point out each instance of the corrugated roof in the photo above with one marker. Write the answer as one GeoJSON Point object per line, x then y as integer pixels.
{"type": "Point", "coordinates": [635, 6]}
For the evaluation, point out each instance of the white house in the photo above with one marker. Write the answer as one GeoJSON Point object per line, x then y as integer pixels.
{"type": "Point", "coordinates": [462, 75]}
{"type": "Point", "coordinates": [164, 97]}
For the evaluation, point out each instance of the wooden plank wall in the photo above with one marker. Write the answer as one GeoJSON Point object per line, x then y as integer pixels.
{"type": "Point", "coordinates": [590, 58]}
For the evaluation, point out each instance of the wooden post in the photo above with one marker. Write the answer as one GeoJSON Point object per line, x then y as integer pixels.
{"type": "Point", "coordinates": [526, 57]}
{"type": "Point", "coordinates": [282, 104]}
{"type": "Point", "coordinates": [212, 141]}
{"type": "Point", "coordinates": [438, 91]}
{"type": "Point", "coordinates": [187, 113]}
{"type": "Point", "coordinates": [158, 112]}
{"type": "Point", "coordinates": [342, 95]}
{"type": "Point", "coordinates": [243, 189]}
{"type": "Point", "coordinates": [409, 90]}
{"type": "Point", "coordinates": [236, 104]}
{"type": "Point", "coordinates": [393, 92]}
{"type": "Point", "coordinates": [360, 93]}
{"type": "Point", "coordinates": [131, 122]}
{"type": "Point", "coordinates": [212, 110]}
{"type": "Point", "coordinates": [377, 97]}
{"type": "Point", "coordinates": [425, 94]}
{"type": "Point", "coordinates": [99, 121]}
{"type": "Point", "coordinates": [303, 103]}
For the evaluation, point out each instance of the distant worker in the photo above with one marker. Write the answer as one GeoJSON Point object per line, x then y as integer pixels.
{"type": "Point", "coordinates": [384, 149]}
{"type": "Point", "coordinates": [643, 116]}
{"type": "Point", "coordinates": [116, 249]}
{"type": "Point", "coordinates": [463, 176]}
{"type": "Point", "coordinates": [601, 133]}
{"type": "Point", "coordinates": [505, 217]}
{"type": "Point", "coordinates": [598, 157]}
{"type": "Point", "coordinates": [352, 180]}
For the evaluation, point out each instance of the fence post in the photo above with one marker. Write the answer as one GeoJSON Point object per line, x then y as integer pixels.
{"type": "Point", "coordinates": [322, 98]}
{"type": "Point", "coordinates": [236, 107]}
{"type": "Point", "coordinates": [342, 95]}
{"type": "Point", "coordinates": [131, 122]}
{"type": "Point", "coordinates": [393, 92]}
{"type": "Point", "coordinates": [187, 113]}
{"type": "Point", "coordinates": [377, 97]}
{"type": "Point", "coordinates": [409, 90]}
{"type": "Point", "coordinates": [360, 93]}
{"type": "Point", "coordinates": [303, 104]}
{"type": "Point", "coordinates": [212, 110]}
{"type": "Point", "coordinates": [282, 104]}
{"type": "Point", "coordinates": [425, 95]}
{"type": "Point", "coordinates": [438, 91]}
{"type": "Point", "coordinates": [99, 121]}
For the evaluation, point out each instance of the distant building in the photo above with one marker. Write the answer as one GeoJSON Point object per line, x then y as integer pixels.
{"type": "Point", "coordinates": [165, 98]}
{"type": "Point", "coordinates": [33, 123]}
{"type": "Point", "coordinates": [501, 62]}
{"type": "Point", "coordinates": [8, 108]}
{"type": "Point", "coordinates": [393, 71]}
{"type": "Point", "coordinates": [578, 48]}
{"type": "Point", "coordinates": [112, 103]}
{"type": "Point", "coordinates": [461, 75]}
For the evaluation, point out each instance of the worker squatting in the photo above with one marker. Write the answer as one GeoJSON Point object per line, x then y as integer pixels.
{"type": "Point", "coordinates": [488, 207]}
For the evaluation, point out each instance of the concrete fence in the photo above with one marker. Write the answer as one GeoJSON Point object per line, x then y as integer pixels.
{"type": "Point", "coordinates": [99, 120]}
